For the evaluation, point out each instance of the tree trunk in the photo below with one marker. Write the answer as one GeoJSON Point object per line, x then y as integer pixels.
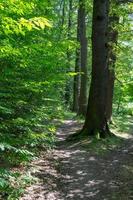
{"type": "Point", "coordinates": [76, 86]}
{"type": "Point", "coordinates": [96, 119]}
{"type": "Point", "coordinates": [112, 39]}
{"type": "Point", "coordinates": [110, 92]}
{"type": "Point", "coordinates": [76, 82]}
{"type": "Point", "coordinates": [68, 85]}
{"type": "Point", "coordinates": [83, 49]}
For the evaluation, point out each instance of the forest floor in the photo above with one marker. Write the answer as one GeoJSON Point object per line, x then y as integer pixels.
{"type": "Point", "coordinates": [83, 169]}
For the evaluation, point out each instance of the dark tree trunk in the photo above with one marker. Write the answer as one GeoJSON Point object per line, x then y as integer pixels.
{"type": "Point", "coordinates": [83, 46]}
{"type": "Point", "coordinates": [96, 119]}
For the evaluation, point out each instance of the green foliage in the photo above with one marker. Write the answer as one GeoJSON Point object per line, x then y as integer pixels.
{"type": "Point", "coordinates": [27, 84]}
{"type": "Point", "coordinates": [12, 184]}
{"type": "Point", "coordinates": [13, 21]}
{"type": "Point", "coordinates": [14, 155]}
{"type": "Point", "coordinates": [123, 94]}
{"type": "Point", "coordinates": [34, 49]}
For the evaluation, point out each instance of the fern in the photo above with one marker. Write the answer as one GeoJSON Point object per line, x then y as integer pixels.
{"type": "Point", "coordinates": [14, 155]}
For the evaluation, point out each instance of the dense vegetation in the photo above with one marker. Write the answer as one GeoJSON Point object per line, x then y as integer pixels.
{"type": "Point", "coordinates": [46, 63]}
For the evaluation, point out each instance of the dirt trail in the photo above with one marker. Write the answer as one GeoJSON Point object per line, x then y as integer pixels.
{"type": "Point", "coordinates": [72, 173]}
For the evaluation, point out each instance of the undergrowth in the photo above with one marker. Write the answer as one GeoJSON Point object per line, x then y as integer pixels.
{"type": "Point", "coordinates": [12, 184]}
{"type": "Point", "coordinates": [27, 127]}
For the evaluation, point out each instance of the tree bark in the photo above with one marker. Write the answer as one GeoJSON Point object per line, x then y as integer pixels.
{"type": "Point", "coordinates": [112, 39]}
{"type": "Point", "coordinates": [96, 119]}
{"type": "Point", "coordinates": [83, 49]}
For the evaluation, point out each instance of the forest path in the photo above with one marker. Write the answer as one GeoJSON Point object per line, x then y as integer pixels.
{"type": "Point", "coordinates": [71, 172]}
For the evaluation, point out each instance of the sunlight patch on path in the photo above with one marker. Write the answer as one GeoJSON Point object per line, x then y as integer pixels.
{"type": "Point", "coordinates": [74, 173]}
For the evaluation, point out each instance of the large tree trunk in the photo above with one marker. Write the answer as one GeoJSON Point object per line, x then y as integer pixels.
{"type": "Point", "coordinates": [96, 119]}
{"type": "Point", "coordinates": [83, 46]}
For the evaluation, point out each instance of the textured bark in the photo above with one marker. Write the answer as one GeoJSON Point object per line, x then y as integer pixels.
{"type": "Point", "coordinates": [96, 121]}
{"type": "Point", "coordinates": [83, 45]}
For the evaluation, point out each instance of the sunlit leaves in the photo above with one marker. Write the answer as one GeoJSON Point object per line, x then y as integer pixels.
{"type": "Point", "coordinates": [16, 7]}
{"type": "Point", "coordinates": [39, 22]}
{"type": "Point", "coordinates": [11, 26]}
{"type": "Point", "coordinates": [17, 17]}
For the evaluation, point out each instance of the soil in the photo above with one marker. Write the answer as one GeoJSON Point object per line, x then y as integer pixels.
{"type": "Point", "coordinates": [72, 172]}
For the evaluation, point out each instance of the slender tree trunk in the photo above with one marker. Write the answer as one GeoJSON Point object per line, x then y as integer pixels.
{"type": "Point", "coordinates": [96, 120]}
{"type": "Point", "coordinates": [68, 85]}
{"type": "Point", "coordinates": [83, 46]}
{"type": "Point", "coordinates": [63, 14]}
{"type": "Point", "coordinates": [76, 86]}
{"type": "Point", "coordinates": [76, 83]}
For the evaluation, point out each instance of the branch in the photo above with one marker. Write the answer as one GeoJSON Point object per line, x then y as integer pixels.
{"type": "Point", "coordinates": [124, 1]}
{"type": "Point", "coordinates": [119, 81]}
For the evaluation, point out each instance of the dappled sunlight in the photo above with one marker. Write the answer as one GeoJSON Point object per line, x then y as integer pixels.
{"type": "Point", "coordinates": [86, 175]}
{"type": "Point", "coordinates": [66, 99]}
{"type": "Point", "coordinates": [73, 172]}
{"type": "Point", "coordinates": [70, 126]}
{"type": "Point", "coordinates": [124, 135]}
{"type": "Point", "coordinates": [123, 126]}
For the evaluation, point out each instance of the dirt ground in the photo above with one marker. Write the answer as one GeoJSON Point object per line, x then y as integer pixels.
{"type": "Point", "coordinates": [71, 172]}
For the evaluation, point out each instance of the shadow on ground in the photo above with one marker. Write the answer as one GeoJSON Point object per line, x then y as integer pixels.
{"type": "Point", "coordinates": [71, 172]}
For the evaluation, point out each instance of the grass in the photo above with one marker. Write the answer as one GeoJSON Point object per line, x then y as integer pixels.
{"type": "Point", "coordinates": [123, 125]}
{"type": "Point", "coordinates": [101, 146]}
